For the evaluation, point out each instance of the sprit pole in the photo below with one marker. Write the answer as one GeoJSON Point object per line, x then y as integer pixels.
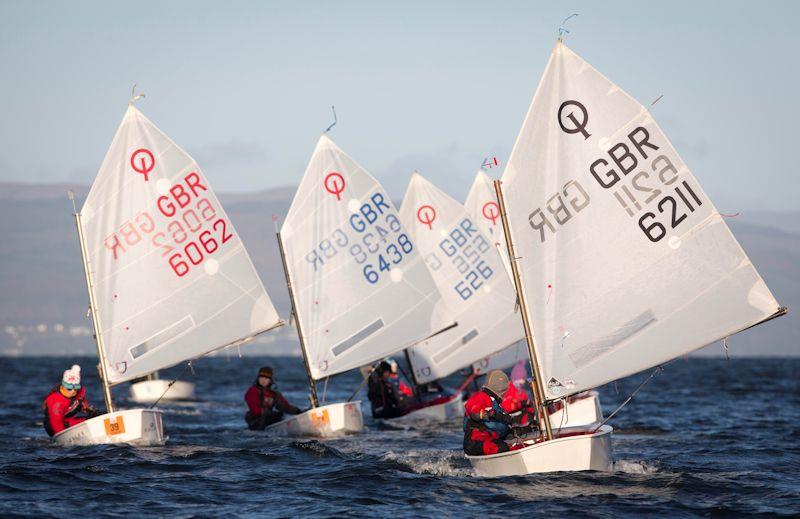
{"type": "Point", "coordinates": [538, 389]}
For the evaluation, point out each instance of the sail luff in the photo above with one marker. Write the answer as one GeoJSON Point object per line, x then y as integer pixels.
{"type": "Point", "coordinates": [312, 385]}
{"type": "Point", "coordinates": [536, 384]}
{"type": "Point", "coordinates": [98, 336]}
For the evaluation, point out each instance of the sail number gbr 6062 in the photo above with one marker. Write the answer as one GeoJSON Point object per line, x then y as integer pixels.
{"type": "Point", "coordinates": [185, 227]}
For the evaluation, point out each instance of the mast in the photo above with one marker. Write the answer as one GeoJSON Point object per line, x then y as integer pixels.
{"type": "Point", "coordinates": [311, 384]}
{"type": "Point", "coordinates": [98, 336]}
{"type": "Point", "coordinates": [538, 389]}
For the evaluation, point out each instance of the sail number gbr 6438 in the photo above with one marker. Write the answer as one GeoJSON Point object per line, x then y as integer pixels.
{"type": "Point", "coordinates": [372, 237]}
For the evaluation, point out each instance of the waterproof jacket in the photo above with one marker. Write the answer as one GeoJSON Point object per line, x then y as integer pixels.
{"type": "Point", "coordinates": [60, 412]}
{"type": "Point", "coordinates": [260, 399]}
{"type": "Point", "coordinates": [495, 421]}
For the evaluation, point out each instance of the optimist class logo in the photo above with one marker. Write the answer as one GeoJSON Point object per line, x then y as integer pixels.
{"type": "Point", "coordinates": [334, 184]}
{"type": "Point", "coordinates": [491, 211]}
{"type": "Point", "coordinates": [426, 214]}
{"type": "Point", "coordinates": [143, 162]}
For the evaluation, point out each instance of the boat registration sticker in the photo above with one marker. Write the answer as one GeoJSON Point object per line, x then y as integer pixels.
{"type": "Point", "coordinates": [114, 427]}
{"type": "Point", "coordinates": [319, 419]}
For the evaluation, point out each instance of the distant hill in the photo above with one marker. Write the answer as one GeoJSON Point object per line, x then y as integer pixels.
{"type": "Point", "coordinates": [43, 302]}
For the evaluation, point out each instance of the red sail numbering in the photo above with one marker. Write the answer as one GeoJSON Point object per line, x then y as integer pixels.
{"type": "Point", "coordinates": [188, 213]}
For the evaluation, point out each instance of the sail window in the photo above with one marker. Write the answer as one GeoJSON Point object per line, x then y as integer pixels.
{"type": "Point", "coordinates": [588, 353]}
{"type": "Point", "coordinates": [468, 337]}
{"type": "Point", "coordinates": [163, 337]}
{"type": "Point", "coordinates": [439, 357]}
{"type": "Point", "coordinates": [358, 337]}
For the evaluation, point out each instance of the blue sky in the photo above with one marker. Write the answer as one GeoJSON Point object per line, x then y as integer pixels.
{"type": "Point", "coordinates": [246, 88]}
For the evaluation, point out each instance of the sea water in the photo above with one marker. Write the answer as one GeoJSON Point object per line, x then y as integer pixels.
{"type": "Point", "coordinates": [705, 437]}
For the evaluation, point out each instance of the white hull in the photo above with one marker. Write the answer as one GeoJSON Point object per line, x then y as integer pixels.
{"type": "Point", "coordinates": [132, 426]}
{"type": "Point", "coordinates": [323, 422]}
{"type": "Point", "coordinates": [443, 412]}
{"type": "Point", "coordinates": [561, 454]}
{"type": "Point", "coordinates": [582, 409]}
{"type": "Point", "coordinates": [148, 391]}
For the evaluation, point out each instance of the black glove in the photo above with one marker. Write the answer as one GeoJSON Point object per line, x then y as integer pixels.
{"type": "Point", "coordinates": [501, 417]}
{"type": "Point", "coordinates": [523, 429]}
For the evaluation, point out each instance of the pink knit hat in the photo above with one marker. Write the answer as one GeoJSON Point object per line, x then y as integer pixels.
{"type": "Point", "coordinates": [72, 377]}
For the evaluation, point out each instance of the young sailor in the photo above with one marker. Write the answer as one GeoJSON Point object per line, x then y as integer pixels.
{"type": "Point", "coordinates": [388, 395]}
{"type": "Point", "coordinates": [266, 404]}
{"type": "Point", "coordinates": [65, 402]}
{"type": "Point", "coordinates": [517, 403]}
{"type": "Point", "coordinates": [486, 423]}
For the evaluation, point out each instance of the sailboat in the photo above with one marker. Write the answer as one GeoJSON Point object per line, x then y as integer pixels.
{"type": "Point", "coordinates": [620, 260]}
{"type": "Point", "coordinates": [471, 277]}
{"type": "Point", "coordinates": [580, 409]}
{"type": "Point", "coordinates": [168, 278]}
{"type": "Point", "coordinates": [151, 388]}
{"type": "Point", "coordinates": [357, 282]}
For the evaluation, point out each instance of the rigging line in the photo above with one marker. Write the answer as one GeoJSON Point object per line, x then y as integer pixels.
{"type": "Point", "coordinates": [188, 367]}
{"type": "Point", "coordinates": [335, 120]}
{"type": "Point", "coordinates": [564, 414]}
{"type": "Point", "coordinates": [361, 385]}
{"type": "Point", "coordinates": [325, 389]}
{"type": "Point", "coordinates": [134, 97]}
{"type": "Point", "coordinates": [466, 382]}
{"type": "Point", "coordinates": [563, 30]}
{"type": "Point", "coordinates": [655, 372]}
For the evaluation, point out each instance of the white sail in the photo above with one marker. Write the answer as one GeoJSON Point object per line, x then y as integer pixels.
{"type": "Point", "coordinates": [503, 359]}
{"type": "Point", "coordinates": [625, 261]}
{"type": "Point", "coordinates": [470, 275]}
{"type": "Point", "coordinates": [481, 205]}
{"type": "Point", "coordinates": [361, 287]}
{"type": "Point", "coordinates": [171, 277]}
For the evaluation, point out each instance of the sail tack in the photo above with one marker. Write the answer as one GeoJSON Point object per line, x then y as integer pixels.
{"type": "Point", "coordinates": [471, 277]}
{"type": "Point", "coordinates": [172, 279]}
{"type": "Point", "coordinates": [361, 287]}
{"type": "Point", "coordinates": [625, 261]}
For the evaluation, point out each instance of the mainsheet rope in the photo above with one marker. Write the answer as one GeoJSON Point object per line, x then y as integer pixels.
{"type": "Point", "coordinates": [655, 372]}
{"type": "Point", "coordinates": [188, 367]}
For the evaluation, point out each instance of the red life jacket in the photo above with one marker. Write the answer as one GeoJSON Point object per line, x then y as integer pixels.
{"type": "Point", "coordinates": [59, 410]}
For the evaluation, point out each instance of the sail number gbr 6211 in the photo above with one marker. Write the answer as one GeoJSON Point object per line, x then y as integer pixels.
{"type": "Point", "coordinates": [639, 172]}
